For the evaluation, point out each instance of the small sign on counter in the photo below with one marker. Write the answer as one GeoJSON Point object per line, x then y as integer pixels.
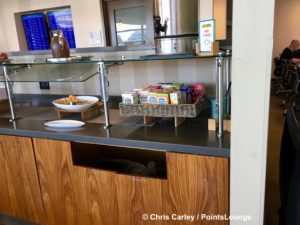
{"type": "Point", "coordinates": [206, 35]}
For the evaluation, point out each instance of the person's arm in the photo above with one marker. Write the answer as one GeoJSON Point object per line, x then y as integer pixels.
{"type": "Point", "coordinates": [295, 61]}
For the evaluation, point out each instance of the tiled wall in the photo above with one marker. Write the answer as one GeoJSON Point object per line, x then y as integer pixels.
{"type": "Point", "coordinates": [132, 74]}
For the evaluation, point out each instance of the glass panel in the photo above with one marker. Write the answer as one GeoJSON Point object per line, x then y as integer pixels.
{"type": "Point", "coordinates": [77, 71]}
{"type": "Point", "coordinates": [112, 60]}
{"type": "Point", "coordinates": [130, 25]}
{"type": "Point", "coordinates": [52, 73]}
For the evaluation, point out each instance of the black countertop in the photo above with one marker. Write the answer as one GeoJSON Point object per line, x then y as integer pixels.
{"type": "Point", "coordinates": [191, 137]}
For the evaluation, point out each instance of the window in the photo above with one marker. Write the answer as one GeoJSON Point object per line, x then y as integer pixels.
{"type": "Point", "coordinates": [130, 25]}
{"type": "Point", "coordinates": [129, 22]}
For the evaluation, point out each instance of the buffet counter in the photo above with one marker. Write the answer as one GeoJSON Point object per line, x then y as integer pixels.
{"type": "Point", "coordinates": [90, 175]}
{"type": "Point", "coordinates": [191, 137]}
{"type": "Point", "coordinates": [128, 174]}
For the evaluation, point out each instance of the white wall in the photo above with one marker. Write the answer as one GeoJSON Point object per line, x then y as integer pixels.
{"type": "Point", "coordinates": [251, 70]}
{"type": "Point", "coordinates": [286, 24]}
{"type": "Point", "coordinates": [206, 9]}
{"type": "Point", "coordinates": [209, 9]}
{"type": "Point", "coordinates": [87, 17]}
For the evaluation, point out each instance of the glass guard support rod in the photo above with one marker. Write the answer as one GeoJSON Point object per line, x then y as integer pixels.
{"type": "Point", "coordinates": [228, 82]}
{"type": "Point", "coordinates": [9, 94]}
{"type": "Point", "coordinates": [102, 71]}
{"type": "Point", "coordinates": [220, 97]}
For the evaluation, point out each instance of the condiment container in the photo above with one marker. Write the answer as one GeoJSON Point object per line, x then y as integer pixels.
{"type": "Point", "coordinates": [130, 98]}
{"type": "Point", "coordinates": [163, 98]}
{"type": "Point", "coordinates": [197, 91]}
{"type": "Point", "coordinates": [176, 98]}
{"type": "Point", "coordinates": [152, 98]}
{"type": "Point", "coordinates": [186, 95]}
{"type": "Point", "coordinates": [143, 96]}
{"type": "Point", "coordinates": [158, 98]}
{"type": "Point", "coordinates": [215, 109]}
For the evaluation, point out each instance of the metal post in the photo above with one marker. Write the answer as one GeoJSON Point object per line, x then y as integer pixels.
{"type": "Point", "coordinates": [225, 83]}
{"type": "Point", "coordinates": [220, 95]}
{"type": "Point", "coordinates": [14, 124]}
{"type": "Point", "coordinates": [108, 133]}
{"type": "Point", "coordinates": [102, 71]}
{"type": "Point", "coordinates": [228, 81]}
{"type": "Point", "coordinates": [9, 94]}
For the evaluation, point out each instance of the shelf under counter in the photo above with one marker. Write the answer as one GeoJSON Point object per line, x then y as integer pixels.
{"type": "Point", "coordinates": [191, 137]}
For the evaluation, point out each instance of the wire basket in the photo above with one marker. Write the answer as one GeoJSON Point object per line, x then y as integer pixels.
{"type": "Point", "coordinates": [156, 110]}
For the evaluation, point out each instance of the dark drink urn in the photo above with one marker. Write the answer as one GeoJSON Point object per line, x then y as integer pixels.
{"type": "Point", "coordinates": [59, 45]}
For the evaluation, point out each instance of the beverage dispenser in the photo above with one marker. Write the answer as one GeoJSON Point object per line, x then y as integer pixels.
{"type": "Point", "coordinates": [175, 26]}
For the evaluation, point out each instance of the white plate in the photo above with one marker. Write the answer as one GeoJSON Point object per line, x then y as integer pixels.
{"type": "Point", "coordinates": [90, 102]}
{"type": "Point", "coordinates": [64, 123]}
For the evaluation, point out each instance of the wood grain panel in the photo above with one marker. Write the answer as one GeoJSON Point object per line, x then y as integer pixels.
{"type": "Point", "coordinates": [220, 15]}
{"type": "Point", "coordinates": [54, 164]}
{"type": "Point", "coordinates": [137, 196]}
{"type": "Point", "coordinates": [76, 195]}
{"type": "Point", "coordinates": [95, 196]}
{"type": "Point", "coordinates": [196, 185]}
{"type": "Point", "coordinates": [20, 194]}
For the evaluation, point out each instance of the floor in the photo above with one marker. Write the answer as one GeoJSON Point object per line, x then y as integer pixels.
{"type": "Point", "coordinates": [6, 220]}
{"type": "Point", "coordinates": [272, 198]}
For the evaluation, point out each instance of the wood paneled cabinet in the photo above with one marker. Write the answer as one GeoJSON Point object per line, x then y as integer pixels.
{"type": "Point", "coordinates": [20, 194]}
{"type": "Point", "coordinates": [75, 194]}
{"type": "Point", "coordinates": [58, 183]}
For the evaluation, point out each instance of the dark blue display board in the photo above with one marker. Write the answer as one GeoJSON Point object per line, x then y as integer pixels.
{"type": "Point", "coordinates": [62, 20]}
{"type": "Point", "coordinates": [36, 31]}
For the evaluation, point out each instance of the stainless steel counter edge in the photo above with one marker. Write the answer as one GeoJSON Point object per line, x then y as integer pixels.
{"type": "Point", "coordinates": [94, 134]}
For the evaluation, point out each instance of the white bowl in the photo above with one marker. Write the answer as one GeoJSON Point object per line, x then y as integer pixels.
{"type": "Point", "coordinates": [91, 101]}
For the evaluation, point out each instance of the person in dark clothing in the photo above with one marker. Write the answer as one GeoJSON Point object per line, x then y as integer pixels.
{"type": "Point", "coordinates": [288, 52]}
{"type": "Point", "coordinates": [296, 57]}
{"type": "Point", "coordinates": [296, 54]}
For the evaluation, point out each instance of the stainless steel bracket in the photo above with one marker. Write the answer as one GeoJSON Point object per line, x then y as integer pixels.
{"type": "Point", "coordinates": [220, 94]}
{"type": "Point", "coordinates": [9, 93]}
{"type": "Point", "coordinates": [102, 72]}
